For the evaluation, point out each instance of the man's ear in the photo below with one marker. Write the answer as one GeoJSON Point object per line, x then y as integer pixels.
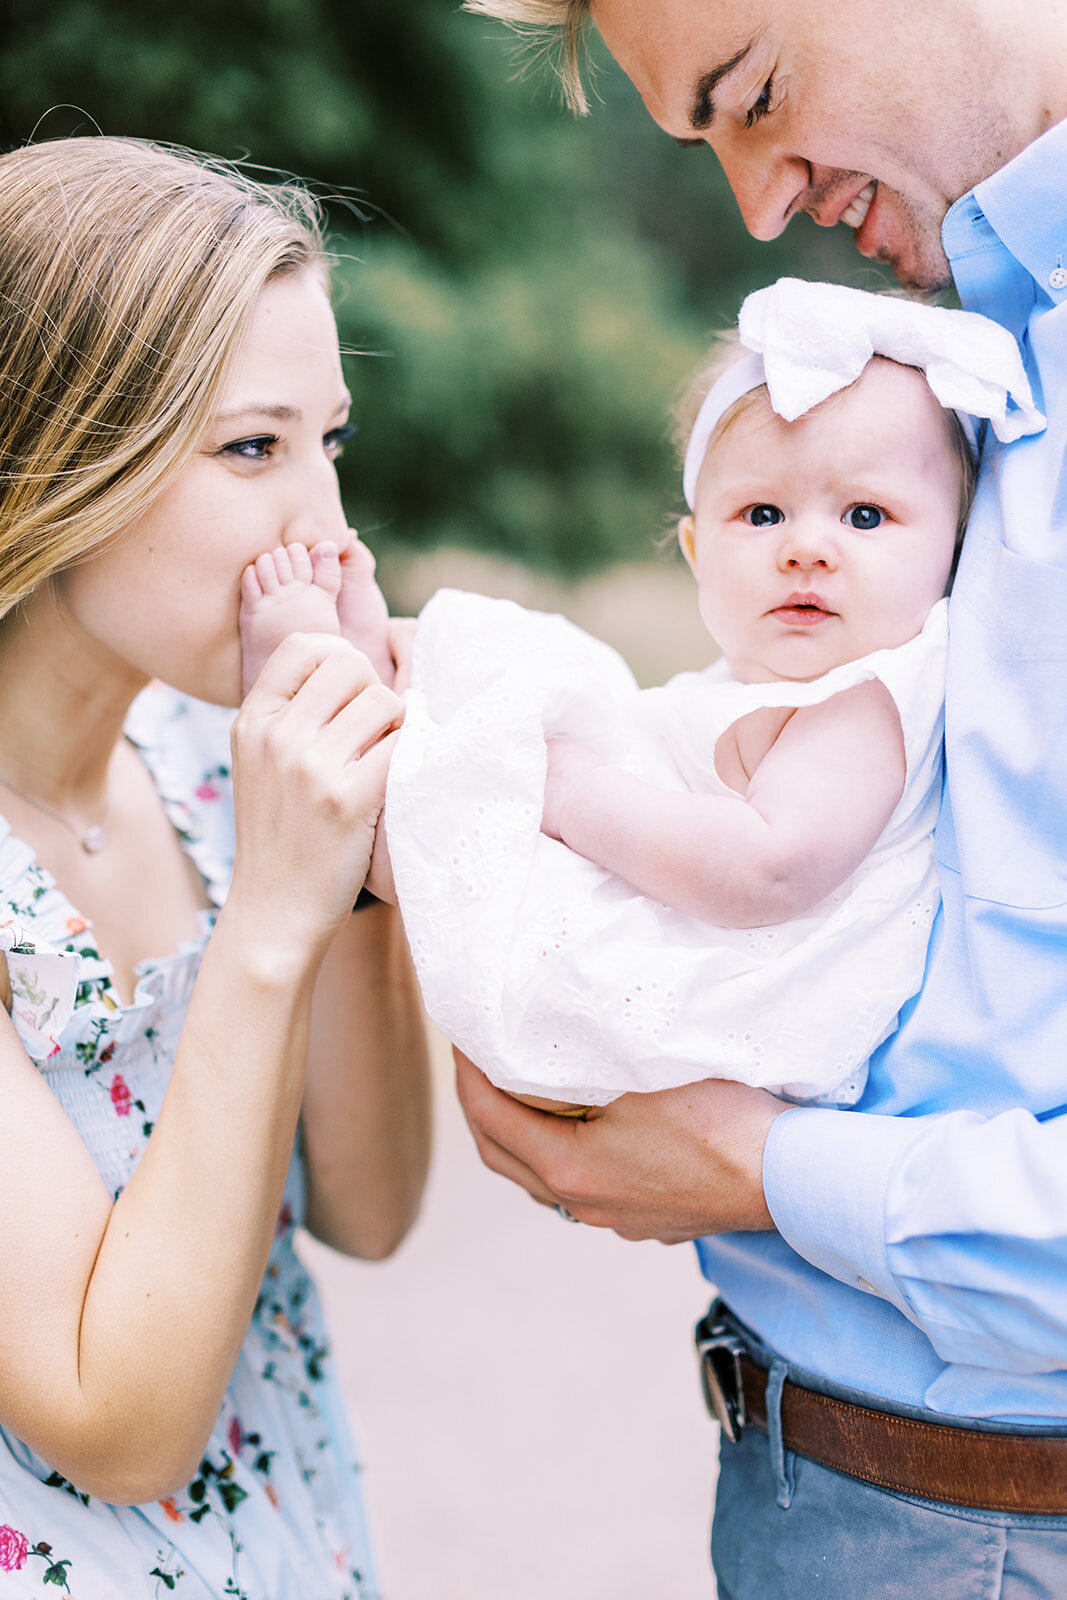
{"type": "Point", "coordinates": [687, 540]}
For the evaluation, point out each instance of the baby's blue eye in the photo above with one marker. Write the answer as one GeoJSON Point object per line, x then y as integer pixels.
{"type": "Point", "coordinates": [865, 518]}
{"type": "Point", "coordinates": [763, 516]}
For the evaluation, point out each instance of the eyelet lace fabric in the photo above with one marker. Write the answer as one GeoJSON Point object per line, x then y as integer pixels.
{"type": "Point", "coordinates": [559, 978]}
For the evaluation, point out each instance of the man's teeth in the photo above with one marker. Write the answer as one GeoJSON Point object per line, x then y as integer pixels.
{"type": "Point", "coordinates": [855, 212]}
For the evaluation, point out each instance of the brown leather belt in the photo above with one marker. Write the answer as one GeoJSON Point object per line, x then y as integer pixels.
{"type": "Point", "coordinates": [933, 1460]}
{"type": "Point", "coordinates": [1020, 1472]}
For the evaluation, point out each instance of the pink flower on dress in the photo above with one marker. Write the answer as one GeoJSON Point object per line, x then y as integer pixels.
{"type": "Point", "coordinates": [207, 790]}
{"type": "Point", "coordinates": [76, 924]}
{"type": "Point", "coordinates": [235, 1434]}
{"type": "Point", "coordinates": [170, 1510]}
{"type": "Point", "coordinates": [120, 1095]}
{"type": "Point", "coordinates": [14, 1548]}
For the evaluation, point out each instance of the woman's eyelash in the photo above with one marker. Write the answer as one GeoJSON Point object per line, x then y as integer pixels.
{"type": "Point", "coordinates": [761, 106]}
{"type": "Point", "coordinates": [259, 446]}
{"type": "Point", "coordinates": [255, 448]}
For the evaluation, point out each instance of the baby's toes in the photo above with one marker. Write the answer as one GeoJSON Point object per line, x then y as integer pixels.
{"type": "Point", "coordinates": [356, 560]}
{"type": "Point", "coordinates": [298, 562]}
{"type": "Point", "coordinates": [251, 587]}
{"type": "Point", "coordinates": [326, 567]}
{"type": "Point", "coordinates": [273, 569]}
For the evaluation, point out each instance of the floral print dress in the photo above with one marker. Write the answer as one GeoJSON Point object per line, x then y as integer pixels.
{"type": "Point", "coordinates": [275, 1509]}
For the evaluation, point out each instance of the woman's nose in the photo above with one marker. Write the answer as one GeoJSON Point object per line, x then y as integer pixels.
{"type": "Point", "coordinates": [315, 511]}
{"type": "Point", "coordinates": [769, 188]}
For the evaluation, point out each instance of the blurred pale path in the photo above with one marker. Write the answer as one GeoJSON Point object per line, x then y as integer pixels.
{"type": "Point", "coordinates": [646, 609]}
{"type": "Point", "coordinates": [527, 1396]}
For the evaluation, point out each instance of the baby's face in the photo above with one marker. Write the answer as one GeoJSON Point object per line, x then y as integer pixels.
{"type": "Point", "coordinates": [817, 541]}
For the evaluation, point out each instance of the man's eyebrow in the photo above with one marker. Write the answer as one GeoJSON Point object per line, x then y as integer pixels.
{"type": "Point", "coordinates": [702, 106]}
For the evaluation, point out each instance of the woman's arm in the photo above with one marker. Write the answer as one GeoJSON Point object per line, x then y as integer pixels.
{"type": "Point", "coordinates": [366, 1112]}
{"type": "Point", "coordinates": [814, 808]}
{"type": "Point", "coordinates": [120, 1324]}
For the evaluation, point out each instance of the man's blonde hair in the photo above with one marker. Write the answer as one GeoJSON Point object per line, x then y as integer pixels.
{"type": "Point", "coordinates": [128, 276]}
{"type": "Point", "coordinates": [553, 27]}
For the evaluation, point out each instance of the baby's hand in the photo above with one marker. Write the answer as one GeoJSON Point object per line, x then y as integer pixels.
{"type": "Point", "coordinates": [568, 764]}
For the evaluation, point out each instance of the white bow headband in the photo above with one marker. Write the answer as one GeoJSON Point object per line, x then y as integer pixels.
{"type": "Point", "coordinates": [810, 339]}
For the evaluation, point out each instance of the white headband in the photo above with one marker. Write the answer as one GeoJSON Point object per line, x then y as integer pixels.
{"type": "Point", "coordinates": [811, 339]}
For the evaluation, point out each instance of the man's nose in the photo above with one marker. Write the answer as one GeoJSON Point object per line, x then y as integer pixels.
{"type": "Point", "coordinates": [769, 187]}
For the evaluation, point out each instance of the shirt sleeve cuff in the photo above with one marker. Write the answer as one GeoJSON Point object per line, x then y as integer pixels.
{"type": "Point", "coordinates": [826, 1175]}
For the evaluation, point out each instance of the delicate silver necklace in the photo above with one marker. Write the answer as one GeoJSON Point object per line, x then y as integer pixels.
{"type": "Point", "coordinates": [91, 840]}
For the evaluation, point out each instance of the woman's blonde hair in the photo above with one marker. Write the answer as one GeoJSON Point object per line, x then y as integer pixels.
{"type": "Point", "coordinates": [555, 27]}
{"type": "Point", "coordinates": [128, 276]}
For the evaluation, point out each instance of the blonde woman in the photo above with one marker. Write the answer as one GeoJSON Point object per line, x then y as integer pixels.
{"type": "Point", "coordinates": [187, 984]}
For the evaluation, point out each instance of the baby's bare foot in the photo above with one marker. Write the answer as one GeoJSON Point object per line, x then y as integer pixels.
{"type": "Point", "coordinates": [361, 608]}
{"type": "Point", "coordinates": [289, 590]}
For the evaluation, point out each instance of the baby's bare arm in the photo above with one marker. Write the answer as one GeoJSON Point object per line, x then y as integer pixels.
{"type": "Point", "coordinates": [814, 808]}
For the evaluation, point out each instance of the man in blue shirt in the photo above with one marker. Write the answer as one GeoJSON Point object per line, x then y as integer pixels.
{"type": "Point", "coordinates": [901, 1266]}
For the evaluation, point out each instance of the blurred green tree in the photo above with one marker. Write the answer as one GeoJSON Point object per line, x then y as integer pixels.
{"type": "Point", "coordinates": [524, 293]}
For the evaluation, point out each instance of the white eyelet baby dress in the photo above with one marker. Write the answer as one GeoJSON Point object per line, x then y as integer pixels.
{"type": "Point", "coordinates": [560, 979]}
{"type": "Point", "coordinates": [274, 1511]}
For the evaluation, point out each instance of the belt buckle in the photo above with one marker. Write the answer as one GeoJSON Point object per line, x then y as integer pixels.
{"type": "Point", "coordinates": [720, 1352]}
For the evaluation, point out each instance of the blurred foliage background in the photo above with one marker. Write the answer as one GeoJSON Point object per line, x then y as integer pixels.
{"type": "Point", "coordinates": [525, 292]}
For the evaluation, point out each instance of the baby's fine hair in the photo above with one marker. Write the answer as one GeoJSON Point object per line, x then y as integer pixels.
{"type": "Point", "coordinates": [727, 350]}
{"type": "Point", "coordinates": [128, 276]}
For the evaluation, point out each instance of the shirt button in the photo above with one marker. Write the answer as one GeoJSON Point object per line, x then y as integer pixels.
{"type": "Point", "coordinates": [868, 1288]}
{"type": "Point", "coordinates": [1057, 278]}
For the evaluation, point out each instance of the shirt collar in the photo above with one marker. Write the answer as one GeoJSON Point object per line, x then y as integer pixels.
{"type": "Point", "coordinates": [1025, 206]}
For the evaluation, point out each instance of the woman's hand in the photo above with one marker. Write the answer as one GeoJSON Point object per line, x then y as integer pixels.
{"type": "Point", "coordinates": [311, 748]}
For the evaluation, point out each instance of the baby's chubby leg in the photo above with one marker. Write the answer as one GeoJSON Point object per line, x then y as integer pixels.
{"type": "Point", "coordinates": [288, 590]}
{"type": "Point", "coordinates": [361, 609]}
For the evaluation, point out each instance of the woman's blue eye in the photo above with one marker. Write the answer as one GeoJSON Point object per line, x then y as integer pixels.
{"type": "Point", "coordinates": [336, 439]}
{"type": "Point", "coordinates": [255, 449]}
{"type": "Point", "coordinates": [763, 516]}
{"type": "Point", "coordinates": [864, 517]}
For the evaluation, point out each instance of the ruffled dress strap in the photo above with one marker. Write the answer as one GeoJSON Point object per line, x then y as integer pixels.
{"type": "Point", "coordinates": [54, 967]}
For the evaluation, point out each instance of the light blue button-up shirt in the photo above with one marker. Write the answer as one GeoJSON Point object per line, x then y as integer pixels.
{"type": "Point", "coordinates": [922, 1244]}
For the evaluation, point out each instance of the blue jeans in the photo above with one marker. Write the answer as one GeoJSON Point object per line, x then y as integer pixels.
{"type": "Point", "coordinates": [786, 1528]}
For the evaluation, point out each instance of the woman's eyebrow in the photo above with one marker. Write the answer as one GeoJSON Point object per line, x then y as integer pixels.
{"type": "Point", "coordinates": [702, 105]}
{"type": "Point", "coordinates": [277, 413]}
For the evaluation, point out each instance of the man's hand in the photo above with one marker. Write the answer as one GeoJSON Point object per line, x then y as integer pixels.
{"type": "Point", "coordinates": [669, 1166]}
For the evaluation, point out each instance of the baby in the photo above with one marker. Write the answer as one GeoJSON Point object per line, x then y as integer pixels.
{"type": "Point", "coordinates": [608, 889]}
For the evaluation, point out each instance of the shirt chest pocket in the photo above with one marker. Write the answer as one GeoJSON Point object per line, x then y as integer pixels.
{"type": "Point", "coordinates": [1005, 828]}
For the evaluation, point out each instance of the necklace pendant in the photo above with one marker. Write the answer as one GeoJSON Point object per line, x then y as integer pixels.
{"type": "Point", "coordinates": [94, 839]}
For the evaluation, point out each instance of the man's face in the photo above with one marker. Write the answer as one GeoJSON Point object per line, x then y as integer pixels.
{"type": "Point", "coordinates": [867, 112]}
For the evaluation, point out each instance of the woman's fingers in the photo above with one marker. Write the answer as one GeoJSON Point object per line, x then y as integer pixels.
{"type": "Point", "coordinates": [289, 667]}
